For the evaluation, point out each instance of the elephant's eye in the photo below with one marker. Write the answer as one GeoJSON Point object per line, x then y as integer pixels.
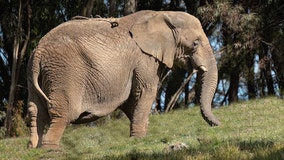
{"type": "Point", "coordinates": [196, 44]}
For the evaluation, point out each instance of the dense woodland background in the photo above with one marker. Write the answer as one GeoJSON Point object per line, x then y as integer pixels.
{"type": "Point", "coordinates": [246, 35]}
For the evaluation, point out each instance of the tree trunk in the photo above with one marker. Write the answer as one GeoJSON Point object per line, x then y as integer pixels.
{"type": "Point", "coordinates": [129, 7]}
{"type": "Point", "coordinates": [16, 65]}
{"type": "Point", "coordinates": [186, 93]}
{"type": "Point", "coordinates": [197, 89]}
{"type": "Point", "coordinates": [174, 97]}
{"type": "Point", "coordinates": [174, 5]}
{"type": "Point", "coordinates": [269, 82]}
{"type": "Point", "coordinates": [281, 84]}
{"type": "Point", "coordinates": [250, 77]}
{"type": "Point", "coordinates": [234, 85]}
{"type": "Point", "coordinates": [250, 84]}
{"type": "Point", "coordinates": [8, 120]}
{"type": "Point", "coordinates": [113, 8]}
{"type": "Point", "coordinates": [174, 83]}
{"type": "Point", "coordinates": [165, 74]}
{"type": "Point", "coordinates": [191, 6]}
{"type": "Point", "coordinates": [278, 60]}
{"type": "Point", "coordinates": [88, 8]}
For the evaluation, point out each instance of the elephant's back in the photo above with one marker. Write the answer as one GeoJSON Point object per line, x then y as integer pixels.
{"type": "Point", "coordinates": [79, 28]}
{"type": "Point", "coordinates": [89, 60]}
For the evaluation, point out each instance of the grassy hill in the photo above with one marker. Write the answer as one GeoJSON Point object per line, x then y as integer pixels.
{"type": "Point", "coordinates": [250, 130]}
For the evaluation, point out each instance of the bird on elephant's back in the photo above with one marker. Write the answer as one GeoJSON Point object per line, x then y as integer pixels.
{"type": "Point", "coordinates": [86, 68]}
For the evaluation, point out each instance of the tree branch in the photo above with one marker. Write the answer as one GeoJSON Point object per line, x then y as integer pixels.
{"type": "Point", "coordinates": [178, 92]}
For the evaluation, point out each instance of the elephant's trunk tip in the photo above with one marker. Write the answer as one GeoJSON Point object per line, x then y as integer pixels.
{"type": "Point", "coordinates": [211, 120]}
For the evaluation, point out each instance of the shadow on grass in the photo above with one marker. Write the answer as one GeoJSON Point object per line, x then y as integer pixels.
{"type": "Point", "coordinates": [274, 155]}
{"type": "Point", "coordinates": [262, 150]}
{"type": "Point", "coordinates": [178, 155]}
{"type": "Point", "coordinates": [253, 145]}
{"type": "Point", "coordinates": [208, 149]}
{"type": "Point", "coordinates": [156, 156]}
{"type": "Point", "coordinates": [254, 149]}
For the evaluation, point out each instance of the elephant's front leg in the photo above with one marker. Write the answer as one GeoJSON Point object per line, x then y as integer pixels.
{"type": "Point", "coordinates": [143, 93]}
{"type": "Point", "coordinates": [139, 121]}
{"type": "Point", "coordinates": [145, 80]}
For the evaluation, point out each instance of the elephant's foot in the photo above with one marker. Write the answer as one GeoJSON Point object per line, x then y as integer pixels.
{"type": "Point", "coordinates": [138, 130]}
{"type": "Point", "coordinates": [50, 142]}
{"type": "Point", "coordinates": [31, 144]}
{"type": "Point", "coordinates": [54, 133]}
{"type": "Point", "coordinates": [137, 135]}
{"type": "Point", "coordinates": [34, 141]}
{"type": "Point", "coordinates": [53, 146]}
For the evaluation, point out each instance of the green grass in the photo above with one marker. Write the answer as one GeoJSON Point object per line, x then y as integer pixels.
{"type": "Point", "coordinates": [250, 130]}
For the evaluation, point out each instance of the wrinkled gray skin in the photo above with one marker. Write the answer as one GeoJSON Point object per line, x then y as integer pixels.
{"type": "Point", "coordinates": [86, 68]}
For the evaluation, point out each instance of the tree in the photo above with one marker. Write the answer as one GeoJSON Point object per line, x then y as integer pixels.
{"type": "Point", "coordinates": [20, 43]}
{"type": "Point", "coordinates": [130, 6]}
{"type": "Point", "coordinates": [240, 39]}
{"type": "Point", "coordinates": [173, 84]}
{"type": "Point", "coordinates": [113, 10]}
{"type": "Point", "coordinates": [272, 15]}
{"type": "Point", "coordinates": [88, 8]}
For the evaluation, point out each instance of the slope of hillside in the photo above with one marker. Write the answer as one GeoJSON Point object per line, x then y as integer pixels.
{"type": "Point", "coordinates": [250, 130]}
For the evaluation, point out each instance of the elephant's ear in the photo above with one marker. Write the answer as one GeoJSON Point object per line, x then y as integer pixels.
{"type": "Point", "coordinates": [154, 34]}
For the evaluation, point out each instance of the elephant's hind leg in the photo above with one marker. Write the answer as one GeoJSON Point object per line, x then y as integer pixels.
{"type": "Point", "coordinates": [56, 129]}
{"type": "Point", "coordinates": [54, 133]}
{"type": "Point", "coordinates": [38, 120]}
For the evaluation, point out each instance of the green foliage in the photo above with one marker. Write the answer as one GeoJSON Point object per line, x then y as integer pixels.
{"type": "Point", "coordinates": [273, 28]}
{"type": "Point", "coordinates": [240, 28]}
{"type": "Point", "coordinates": [240, 25]}
{"type": "Point", "coordinates": [20, 127]}
{"type": "Point", "coordinates": [250, 130]}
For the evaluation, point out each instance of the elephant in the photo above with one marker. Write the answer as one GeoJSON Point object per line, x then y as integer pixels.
{"type": "Point", "coordinates": [86, 68]}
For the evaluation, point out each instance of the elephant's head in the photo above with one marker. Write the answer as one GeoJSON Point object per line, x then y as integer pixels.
{"type": "Point", "coordinates": [178, 38]}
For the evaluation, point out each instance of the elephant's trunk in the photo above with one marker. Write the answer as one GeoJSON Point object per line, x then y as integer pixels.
{"type": "Point", "coordinates": [208, 87]}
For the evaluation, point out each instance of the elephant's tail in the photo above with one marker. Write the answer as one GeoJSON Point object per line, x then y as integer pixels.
{"type": "Point", "coordinates": [34, 72]}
